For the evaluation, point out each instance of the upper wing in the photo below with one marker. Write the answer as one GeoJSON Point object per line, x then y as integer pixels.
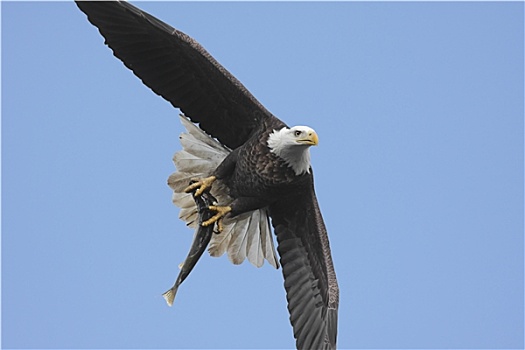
{"type": "Point", "coordinates": [309, 276]}
{"type": "Point", "coordinates": [177, 68]}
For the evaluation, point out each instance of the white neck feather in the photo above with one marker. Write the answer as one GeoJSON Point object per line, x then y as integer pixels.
{"type": "Point", "coordinates": [295, 156]}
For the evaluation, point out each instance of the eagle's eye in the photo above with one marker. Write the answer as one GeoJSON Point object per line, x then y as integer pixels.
{"type": "Point", "coordinates": [297, 132]}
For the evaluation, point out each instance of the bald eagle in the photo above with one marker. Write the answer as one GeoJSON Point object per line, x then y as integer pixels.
{"type": "Point", "coordinates": [257, 166]}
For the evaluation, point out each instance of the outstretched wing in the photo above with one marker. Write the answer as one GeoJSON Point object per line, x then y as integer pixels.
{"type": "Point", "coordinates": [180, 70]}
{"type": "Point", "coordinates": [309, 276]}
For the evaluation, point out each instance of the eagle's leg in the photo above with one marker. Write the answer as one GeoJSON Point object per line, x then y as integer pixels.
{"type": "Point", "coordinates": [217, 218]}
{"type": "Point", "coordinates": [223, 171]}
{"type": "Point", "coordinates": [238, 206]}
{"type": "Point", "coordinates": [201, 184]}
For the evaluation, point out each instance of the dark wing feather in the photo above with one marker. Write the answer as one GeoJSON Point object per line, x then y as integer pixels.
{"type": "Point", "coordinates": [177, 68]}
{"type": "Point", "coordinates": [309, 276]}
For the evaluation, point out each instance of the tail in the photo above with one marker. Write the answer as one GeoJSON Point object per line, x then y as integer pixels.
{"type": "Point", "coordinates": [169, 295]}
{"type": "Point", "coordinates": [248, 236]}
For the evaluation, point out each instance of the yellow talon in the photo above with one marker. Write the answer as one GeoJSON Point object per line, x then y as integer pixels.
{"type": "Point", "coordinates": [202, 184]}
{"type": "Point", "coordinates": [217, 218]}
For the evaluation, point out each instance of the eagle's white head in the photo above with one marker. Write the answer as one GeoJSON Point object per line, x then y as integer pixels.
{"type": "Point", "coordinates": [292, 146]}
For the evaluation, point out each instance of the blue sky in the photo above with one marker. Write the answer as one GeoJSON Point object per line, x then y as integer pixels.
{"type": "Point", "coordinates": [419, 174]}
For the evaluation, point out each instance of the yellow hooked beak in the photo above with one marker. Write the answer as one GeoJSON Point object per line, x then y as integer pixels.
{"type": "Point", "coordinates": [311, 139]}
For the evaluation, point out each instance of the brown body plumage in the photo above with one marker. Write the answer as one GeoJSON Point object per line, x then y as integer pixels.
{"type": "Point", "coordinates": [252, 171]}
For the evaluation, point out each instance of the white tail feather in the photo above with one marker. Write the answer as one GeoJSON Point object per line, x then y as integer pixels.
{"type": "Point", "coordinates": [253, 248]}
{"type": "Point", "coordinates": [237, 247]}
{"type": "Point", "coordinates": [247, 235]}
{"type": "Point", "coordinates": [267, 242]}
{"type": "Point", "coordinates": [219, 243]}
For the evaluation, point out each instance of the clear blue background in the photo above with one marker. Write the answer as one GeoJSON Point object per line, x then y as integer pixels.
{"type": "Point", "coordinates": [419, 173]}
